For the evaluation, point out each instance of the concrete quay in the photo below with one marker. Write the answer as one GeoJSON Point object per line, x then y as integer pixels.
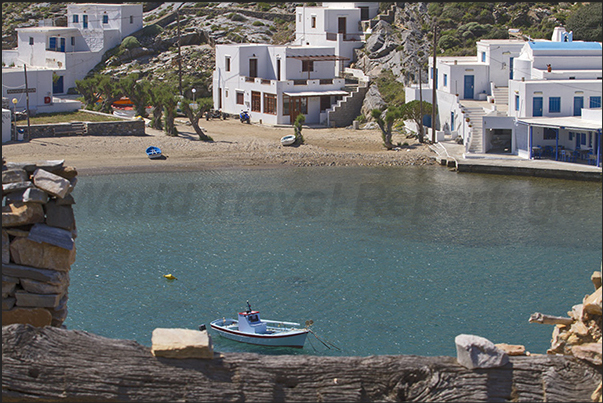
{"type": "Point", "coordinates": [452, 155]}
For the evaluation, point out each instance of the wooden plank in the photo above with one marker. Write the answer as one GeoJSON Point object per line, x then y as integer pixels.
{"type": "Point", "coordinates": [53, 364]}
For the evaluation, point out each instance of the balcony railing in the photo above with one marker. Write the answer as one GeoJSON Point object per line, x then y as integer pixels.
{"type": "Point", "coordinates": [326, 81]}
{"type": "Point", "coordinates": [249, 79]}
{"type": "Point", "coordinates": [331, 36]}
{"type": "Point", "coordinates": [300, 82]}
{"type": "Point", "coordinates": [265, 81]}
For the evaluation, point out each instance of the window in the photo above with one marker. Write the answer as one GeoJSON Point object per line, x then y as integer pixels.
{"type": "Point", "coordinates": [256, 102]}
{"type": "Point", "coordinates": [313, 21]}
{"type": "Point", "coordinates": [583, 139]}
{"type": "Point", "coordinates": [85, 21]}
{"type": "Point", "coordinates": [227, 62]}
{"type": "Point", "coordinates": [307, 65]}
{"type": "Point", "coordinates": [31, 40]}
{"type": "Point", "coordinates": [73, 41]}
{"type": "Point", "coordinates": [240, 98]}
{"type": "Point", "coordinates": [131, 19]}
{"type": "Point", "coordinates": [76, 18]}
{"type": "Point", "coordinates": [285, 105]}
{"type": "Point", "coordinates": [299, 17]}
{"type": "Point", "coordinates": [52, 43]}
{"type": "Point", "coordinates": [484, 57]}
{"type": "Point", "coordinates": [549, 133]}
{"type": "Point", "coordinates": [105, 19]}
{"type": "Point", "coordinates": [554, 104]}
{"type": "Point", "coordinates": [571, 136]}
{"type": "Point", "coordinates": [516, 102]}
{"type": "Point", "coordinates": [445, 80]}
{"type": "Point", "coordinates": [595, 102]}
{"type": "Point", "coordinates": [270, 104]}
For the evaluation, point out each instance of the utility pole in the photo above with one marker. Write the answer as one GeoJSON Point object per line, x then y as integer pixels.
{"type": "Point", "coordinates": [27, 100]}
{"type": "Point", "coordinates": [421, 139]}
{"type": "Point", "coordinates": [179, 55]}
{"type": "Point", "coordinates": [434, 81]}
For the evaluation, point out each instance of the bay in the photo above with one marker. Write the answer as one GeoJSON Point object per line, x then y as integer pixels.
{"type": "Point", "coordinates": [395, 260]}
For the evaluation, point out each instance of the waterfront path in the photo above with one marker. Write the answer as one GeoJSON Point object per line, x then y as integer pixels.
{"type": "Point", "coordinates": [451, 154]}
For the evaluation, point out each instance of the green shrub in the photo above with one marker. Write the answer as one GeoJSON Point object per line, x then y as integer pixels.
{"type": "Point", "coordinates": [237, 17]}
{"type": "Point", "coordinates": [129, 42]}
{"type": "Point", "coordinates": [258, 24]}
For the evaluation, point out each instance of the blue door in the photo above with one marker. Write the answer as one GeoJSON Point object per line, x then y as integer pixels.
{"type": "Point", "coordinates": [578, 105]}
{"type": "Point", "coordinates": [62, 44]}
{"type": "Point", "coordinates": [537, 106]}
{"type": "Point", "coordinates": [85, 21]}
{"type": "Point", "coordinates": [468, 93]}
{"type": "Point", "coordinates": [57, 86]}
{"type": "Point", "coordinates": [510, 68]}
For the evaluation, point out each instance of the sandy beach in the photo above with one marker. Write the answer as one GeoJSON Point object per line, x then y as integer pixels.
{"type": "Point", "coordinates": [235, 145]}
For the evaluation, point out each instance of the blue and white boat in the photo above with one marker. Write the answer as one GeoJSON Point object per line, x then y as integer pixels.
{"type": "Point", "coordinates": [154, 152]}
{"type": "Point", "coordinates": [249, 328]}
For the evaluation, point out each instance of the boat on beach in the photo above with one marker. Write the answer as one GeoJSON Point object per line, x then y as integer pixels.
{"type": "Point", "coordinates": [154, 152]}
{"type": "Point", "coordinates": [288, 140]}
{"type": "Point", "coordinates": [249, 328]}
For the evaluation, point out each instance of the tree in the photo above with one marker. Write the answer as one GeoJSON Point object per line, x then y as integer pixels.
{"type": "Point", "coordinates": [110, 92]}
{"type": "Point", "coordinates": [170, 104]}
{"type": "Point", "coordinates": [386, 121]}
{"type": "Point", "coordinates": [137, 91]}
{"type": "Point", "coordinates": [297, 126]}
{"type": "Point", "coordinates": [203, 105]}
{"type": "Point", "coordinates": [412, 111]}
{"type": "Point", "coordinates": [156, 100]}
{"type": "Point", "coordinates": [88, 88]}
{"type": "Point", "coordinates": [585, 23]}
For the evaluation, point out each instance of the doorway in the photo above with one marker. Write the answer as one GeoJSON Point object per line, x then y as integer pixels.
{"type": "Point", "coordinates": [468, 92]}
{"type": "Point", "coordinates": [253, 68]}
{"type": "Point", "coordinates": [341, 26]}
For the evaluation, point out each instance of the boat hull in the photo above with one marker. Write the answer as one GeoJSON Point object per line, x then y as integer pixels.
{"type": "Point", "coordinates": [294, 338]}
{"type": "Point", "coordinates": [288, 140]}
{"type": "Point", "coordinates": [154, 152]}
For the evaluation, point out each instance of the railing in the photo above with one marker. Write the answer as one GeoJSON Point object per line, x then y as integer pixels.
{"type": "Point", "coordinates": [265, 81]}
{"type": "Point", "coordinates": [331, 36]}
{"type": "Point", "coordinates": [326, 81]}
{"type": "Point", "coordinates": [249, 79]}
{"type": "Point", "coordinates": [300, 82]}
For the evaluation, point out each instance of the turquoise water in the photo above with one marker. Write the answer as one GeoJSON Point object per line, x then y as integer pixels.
{"type": "Point", "coordinates": [383, 260]}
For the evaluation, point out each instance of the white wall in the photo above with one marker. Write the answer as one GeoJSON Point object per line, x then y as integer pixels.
{"type": "Point", "coordinates": [6, 116]}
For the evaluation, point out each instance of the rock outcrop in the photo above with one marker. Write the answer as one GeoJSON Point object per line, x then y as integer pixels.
{"type": "Point", "coordinates": [38, 247]}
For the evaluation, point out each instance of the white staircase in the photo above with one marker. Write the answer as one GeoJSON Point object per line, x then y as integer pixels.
{"type": "Point", "coordinates": [475, 115]}
{"type": "Point", "coordinates": [501, 98]}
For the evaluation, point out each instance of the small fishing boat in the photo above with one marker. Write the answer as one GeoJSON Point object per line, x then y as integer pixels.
{"type": "Point", "coordinates": [154, 152]}
{"type": "Point", "coordinates": [288, 140]}
{"type": "Point", "coordinates": [249, 328]}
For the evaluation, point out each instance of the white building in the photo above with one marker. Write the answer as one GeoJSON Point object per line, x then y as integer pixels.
{"type": "Point", "coordinates": [336, 25]}
{"type": "Point", "coordinates": [277, 83]}
{"type": "Point", "coordinates": [494, 100]}
{"type": "Point", "coordinates": [67, 53]}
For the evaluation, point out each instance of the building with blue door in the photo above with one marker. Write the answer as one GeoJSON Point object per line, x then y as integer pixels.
{"type": "Point", "coordinates": [66, 54]}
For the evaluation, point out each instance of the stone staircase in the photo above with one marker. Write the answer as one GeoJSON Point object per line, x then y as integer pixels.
{"type": "Point", "coordinates": [475, 115]}
{"type": "Point", "coordinates": [501, 98]}
{"type": "Point", "coordinates": [348, 108]}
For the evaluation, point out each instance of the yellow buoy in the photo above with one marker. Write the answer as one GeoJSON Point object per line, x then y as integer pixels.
{"type": "Point", "coordinates": [169, 276]}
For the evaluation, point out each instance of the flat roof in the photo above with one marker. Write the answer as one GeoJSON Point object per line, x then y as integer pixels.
{"type": "Point", "coordinates": [567, 122]}
{"type": "Point", "coordinates": [565, 45]}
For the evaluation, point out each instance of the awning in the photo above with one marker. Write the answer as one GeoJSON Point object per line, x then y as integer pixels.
{"type": "Point", "coordinates": [567, 122]}
{"type": "Point", "coordinates": [315, 93]}
{"type": "Point", "coordinates": [318, 58]}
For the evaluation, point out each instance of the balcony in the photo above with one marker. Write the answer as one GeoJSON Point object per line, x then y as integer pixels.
{"type": "Point", "coordinates": [331, 36]}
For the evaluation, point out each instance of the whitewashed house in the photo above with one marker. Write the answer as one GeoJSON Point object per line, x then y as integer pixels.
{"type": "Point", "coordinates": [275, 83]}
{"type": "Point", "coordinates": [62, 55]}
{"type": "Point", "coordinates": [519, 97]}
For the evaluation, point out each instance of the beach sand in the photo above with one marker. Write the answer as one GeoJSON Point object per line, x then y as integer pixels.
{"type": "Point", "coordinates": [235, 145]}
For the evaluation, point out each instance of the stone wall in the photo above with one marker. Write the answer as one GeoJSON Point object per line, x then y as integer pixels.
{"type": "Point", "coordinates": [38, 247]}
{"type": "Point", "coordinates": [118, 128]}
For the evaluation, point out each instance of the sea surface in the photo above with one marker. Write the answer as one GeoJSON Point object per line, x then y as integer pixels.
{"type": "Point", "coordinates": [396, 260]}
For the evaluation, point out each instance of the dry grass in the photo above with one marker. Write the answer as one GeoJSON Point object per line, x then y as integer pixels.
{"type": "Point", "coordinates": [65, 117]}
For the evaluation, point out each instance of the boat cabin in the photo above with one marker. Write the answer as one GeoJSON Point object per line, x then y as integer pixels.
{"type": "Point", "coordinates": [249, 322]}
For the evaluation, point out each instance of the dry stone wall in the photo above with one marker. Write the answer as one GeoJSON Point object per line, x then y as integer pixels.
{"type": "Point", "coordinates": [38, 247]}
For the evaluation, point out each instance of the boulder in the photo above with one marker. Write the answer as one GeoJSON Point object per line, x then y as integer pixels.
{"type": "Point", "coordinates": [26, 299]}
{"type": "Point", "coordinates": [51, 235]}
{"type": "Point", "coordinates": [8, 303]}
{"type": "Point", "coordinates": [38, 317]}
{"type": "Point", "coordinates": [67, 172]}
{"type": "Point", "coordinates": [60, 216]}
{"type": "Point", "coordinates": [590, 352]}
{"type": "Point", "coordinates": [17, 214]}
{"type": "Point", "coordinates": [382, 41]}
{"type": "Point", "coordinates": [29, 195]}
{"type": "Point", "coordinates": [39, 287]}
{"type": "Point", "coordinates": [596, 279]}
{"type": "Point", "coordinates": [51, 183]}
{"type": "Point", "coordinates": [372, 100]}
{"type": "Point", "coordinates": [46, 275]}
{"type": "Point", "coordinates": [50, 165]}
{"type": "Point", "coordinates": [14, 175]}
{"type": "Point", "coordinates": [65, 201]}
{"type": "Point", "coordinates": [8, 287]}
{"type": "Point", "coordinates": [592, 303]}
{"type": "Point", "coordinates": [478, 352]}
{"type": "Point", "coordinates": [181, 343]}
{"type": "Point", "coordinates": [41, 255]}
{"type": "Point", "coordinates": [512, 349]}
{"type": "Point", "coordinates": [16, 186]}
{"type": "Point", "coordinates": [5, 247]}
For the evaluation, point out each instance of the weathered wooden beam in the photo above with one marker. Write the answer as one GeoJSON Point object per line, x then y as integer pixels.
{"type": "Point", "coordinates": [53, 364]}
{"type": "Point", "coordinates": [549, 319]}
